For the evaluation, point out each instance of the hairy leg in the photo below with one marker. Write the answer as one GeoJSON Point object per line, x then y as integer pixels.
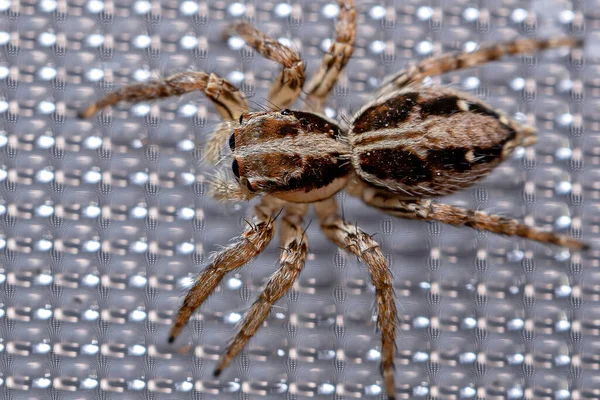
{"type": "Point", "coordinates": [251, 243]}
{"type": "Point", "coordinates": [293, 256]}
{"type": "Point", "coordinates": [229, 101]}
{"type": "Point", "coordinates": [455, 61]}
{"type": "Point", "coordinates": [349, 237]}
{"type": "Point", "coordinates": [428, 210]}
{"type": "Point", "coordinates": [284, 90]}
{"type": "Point", "coordinates": [336, 58]}
{"type": "Point", "coordinates": [288, 85]}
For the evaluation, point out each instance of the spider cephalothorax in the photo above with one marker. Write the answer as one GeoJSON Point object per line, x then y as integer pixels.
{"type": "Point", "coordinates": [294, 155]}
{"type": "Point", "coordinates": [410, 145]}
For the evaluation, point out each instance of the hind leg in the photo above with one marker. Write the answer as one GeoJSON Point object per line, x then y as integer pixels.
{"type": "Point", "coordinates": [456, 61]}
{"type": "Point", "coordinates": [429, 210]}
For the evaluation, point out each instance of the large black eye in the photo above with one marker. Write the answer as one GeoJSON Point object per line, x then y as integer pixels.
{"type": "Point", "coordinates": [232, 142]}
{"type": "Point", "coordinates": [285, 111]}
{"type": "Point", "coordinates": [241, 118]}
{"type": "Point", "coordinates": [236, 169]}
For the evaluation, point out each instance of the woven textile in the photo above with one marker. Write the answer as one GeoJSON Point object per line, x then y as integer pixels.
{"type": "Point", "coordinates": [105, 222]}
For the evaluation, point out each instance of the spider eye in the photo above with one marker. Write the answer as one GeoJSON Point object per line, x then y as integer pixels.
{"type": "Point", "coordinates": [285, 111]}
{"type": "Point", "coordinates": [232, 142]}
{"type": "Point", "coordinates": [236, 169]}
{"type": "Point", "coordinates": [241, 118]}
{"type": "Point", "coordinates": [249, 186]}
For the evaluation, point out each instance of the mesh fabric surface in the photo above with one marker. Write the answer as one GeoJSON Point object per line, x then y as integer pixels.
{"type": "Point", "coordinates": [104, 223]}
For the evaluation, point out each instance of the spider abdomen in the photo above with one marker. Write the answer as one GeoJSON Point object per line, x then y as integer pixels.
{"type": "Point", "coordinates": [428, 141]}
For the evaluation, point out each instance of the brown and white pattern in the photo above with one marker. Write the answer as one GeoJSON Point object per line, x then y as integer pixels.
{"type": "Point", "coordinates": [412, 144]}
{"type": "Point", "coordinates": [423, 142]}
{"type": "Point", "coordinates": [293, 355]}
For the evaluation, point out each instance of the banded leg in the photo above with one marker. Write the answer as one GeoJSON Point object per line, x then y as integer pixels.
{"type": "Point", "coordinates": [251, 243]}
{"type": "Point", "coordinates": [348, 237]}
{"type": "Point", "coordinates": [455, 61]}
{"type": "Point", "coordinates": [229, 101]}
{"type": "Point", "coordinates": [336, 58]}
{"type": "Point", "coordinates": [428, 210]}
{"type": "Point", "coordinates": [293, 256]}
{"type": "Point", "coordinates": [288, 85]}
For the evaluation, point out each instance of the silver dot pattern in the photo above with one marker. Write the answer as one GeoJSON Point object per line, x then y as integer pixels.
{"type": "Point", "coordinates": [105, 222]}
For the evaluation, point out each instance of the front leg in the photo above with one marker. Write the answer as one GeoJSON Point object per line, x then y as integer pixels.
{"type": "Point", "coordinates": [294, 250]}
{"type": "Point", "coordinates": [336, 58]}
{"type": "Point", "coordinates": [288, 85]}
{"type": "Point", "coordinates": [228, 100]}
{"type": "Point", "coordinates": [251, 243]}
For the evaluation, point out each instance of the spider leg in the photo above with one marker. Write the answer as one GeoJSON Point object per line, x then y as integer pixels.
{"type": "Point", "coordinates": [251, 243]}
{"type": "Point", "coordinates": [286, 88]}
{"type": "Point", "coordinates": [293, 256]}
{"type": "Point", "coordinates": [349, 237]}
{"type": "Point", "coordinates": [455, 61]}
{"type": "Point", "coordinates": [428, 210]}
{"type": "Point", "coordinates": [336, 58]}
{"type": "Point", "coordinates": [229, 101]}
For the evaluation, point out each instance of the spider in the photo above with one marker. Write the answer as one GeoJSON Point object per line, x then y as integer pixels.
{"type": "Point", "coordinates": [410, 145]}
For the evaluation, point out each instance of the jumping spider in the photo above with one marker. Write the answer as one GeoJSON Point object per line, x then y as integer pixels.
{"type": "Point", "coordinates": [410, 145]}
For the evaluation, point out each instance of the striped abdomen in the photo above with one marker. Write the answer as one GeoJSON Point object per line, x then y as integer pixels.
{"type": "Point", "coordinates": [428, 142]}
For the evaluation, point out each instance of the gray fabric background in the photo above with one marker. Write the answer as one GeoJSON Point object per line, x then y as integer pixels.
{"type": "Point", "coordinates": [104, 223]}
